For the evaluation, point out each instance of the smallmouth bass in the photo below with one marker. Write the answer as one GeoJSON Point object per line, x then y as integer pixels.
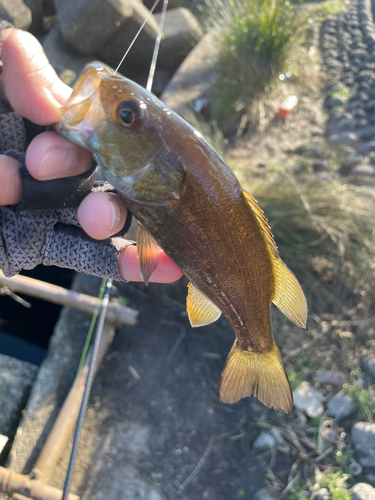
{"type": "Point", "coordinates": [188, 201]}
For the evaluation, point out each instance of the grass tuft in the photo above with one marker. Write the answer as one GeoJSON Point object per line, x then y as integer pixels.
{"type": "Point", "coordinates": [255, 39]}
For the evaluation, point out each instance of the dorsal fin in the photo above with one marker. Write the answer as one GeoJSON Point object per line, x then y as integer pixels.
{"type": "Point", "coordinates": [200, 309]}
{"type": "Point", "coordinates": [148, 252]}
{"type": "Point", "coordinates": [288, 295]}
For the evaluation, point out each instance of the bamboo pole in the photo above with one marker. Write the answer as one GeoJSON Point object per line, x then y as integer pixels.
{"type": "Point", "coordinates": [22, 487]}
{"type": "Point", "coordinates": [67, 417]}
{"type": "Point", "coordinates": [116, 313]}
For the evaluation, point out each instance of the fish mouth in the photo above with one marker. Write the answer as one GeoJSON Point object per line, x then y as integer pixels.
{"type": "Point", "coordinates": [83, 110]}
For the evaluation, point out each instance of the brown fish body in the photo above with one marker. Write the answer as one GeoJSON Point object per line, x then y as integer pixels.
{"type": "Point", "coordinates": [185, 196]}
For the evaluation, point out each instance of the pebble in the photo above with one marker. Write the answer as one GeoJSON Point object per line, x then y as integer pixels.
{"type": "Point", "coordinates": [322, 494]}
{"type": "Point", "coordinates": [340, 406]}
{"type": "Point", "coordinates": [368, 364]}
{"type": "Point", "coordinates": [264, 494]}
{"type": "Point", "coordinates": [329, 377]}
{"type": "Point", "coordinates": [363, 437]}
{"type": "Point", "coordinates": [362, 491]}
{"type": "Point", "coordinates": [308, 399]}
{"type": "Point", "coordinates": [363, 170]}
{"type": "Point", "coordinates": [265, 441]}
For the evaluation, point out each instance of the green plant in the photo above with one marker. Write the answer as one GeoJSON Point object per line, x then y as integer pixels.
{"type": "Point", "coordinates": [361, 397]}
{"type": "Point", "coordinates": [255, 39]}
{"type": "Point", "coordinates": [336, 483]}
{"type": "Point", "coordinates": [295, 377]}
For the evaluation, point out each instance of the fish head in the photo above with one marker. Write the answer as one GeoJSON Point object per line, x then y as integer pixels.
{"type": "Point", "coordinates": [122, 125]}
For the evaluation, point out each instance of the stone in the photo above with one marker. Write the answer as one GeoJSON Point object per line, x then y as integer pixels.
{"type": "Point", "coordinates": [363, 437]}
{"type": "Point", "coordinates": [16, 12]}
{"type": "Point", "coordinates": [362, 491]}
{"type": "Point", "coordinates": [367, 363]}
{"type": "Point", "coordinates": [349, 163]}
{"type": "Point", "coordinates": [140, 55]}
{"type": "Point", "coordinates": [363, 170]}
{"type": "Point", "coordinates": [320, 166]}
{"type": "Point", "coordinates": [322, 494]}
{"type": "Point", "coordinates": [195, 77]}
{"type": "Point", "coordinates": [334, 103]}
{"type": "Point", "coordinates": [366, 148]}
{"type": "Point", "coordinates": [350, 138]}
{"type": "Point", "coordinates": [366, 132]}
{"type": "Point", "coordinates": [265, 441]}
{"type": "Point", "coordinates": [64, 61]}
{"type": "Point", "coordinates": [264, 494]}
{"type": "Point", "coordinates": [340, 406]}
{"type": "Point", "coordinates": [37, 13]}
{"type": "Point", "coordinates": [329, 377]}
{"type": "Point", "coordinates": [181, 32]}
{"type": "Point", "coordinates": [16, 379]}
{"type": "Point", "coordinates": [308, 399]}
{"type": "Point", "coordinates": [3, 442]}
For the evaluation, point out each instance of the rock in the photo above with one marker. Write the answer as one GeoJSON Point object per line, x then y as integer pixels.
{"type": "Point", "coordinates": [329, 377]}
{"type": "Point", "coordinates": [141, 52]}
{"type": "Point", "coordinates": [368, 364]}
{"type": "Point", "coordinates": [265, 441]}
{"type": "Point", "coordinates": [345, 138]}
{"type": "Point", "coordinates": [349, 163]}
{"type": "Point", "coordinates": [366, 132]}
{"type": "Point", "coordinates": [308, 399]}
{"type": "Point", "coordinates": [334, 103]}
{"type": "Point", "coordinates": [363, 437]}
{"type": "Point", "coordinates": [3, 442]}
{"type": "Point", "coordinates": [363, 170]}
{"type": "Point", "coordinates": [320, 166]}
{"type": "Point", "coordinates": [322, 494]}
{"type": "Point", "coordinates": [264, 494]}
{"type": "Point", "coordinates": [182, 32]}
{"type": "Point", "coordinates": [16, 12]}
{"type": "Point", "coordinates": [63, 59]}
{"type": "Point", "coordinates": [16, 378]}
{"type": "Point", "coordinates": [362, 491]}
{"type": "Point", "coordinates": [195, 78]}
{"type": "Point", "coordinates": [366, 148]}
{"type": "Point", "coordinates": [310, 150]}
{"type": "Point", "coordinates": [340, 406]}
{"type": "Point", "coordinates": [37, 13]}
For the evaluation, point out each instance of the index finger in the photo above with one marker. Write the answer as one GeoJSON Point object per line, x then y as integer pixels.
{"type": "Point", "coordinates": [30, 84]}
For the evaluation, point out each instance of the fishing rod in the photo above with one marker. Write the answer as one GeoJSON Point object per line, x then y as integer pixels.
{"type": "Point", "coordinates": [106, 286]}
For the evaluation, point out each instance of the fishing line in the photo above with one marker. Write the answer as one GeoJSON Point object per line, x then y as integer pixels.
{"type": "Point", "coordinates": [88, 385]}
{"type": "Point", "coordinates": [137, 35]}
{"type": "Point", "coordinates": [157, 46]}
{"type": "Point", "coordinates": [106, 285]}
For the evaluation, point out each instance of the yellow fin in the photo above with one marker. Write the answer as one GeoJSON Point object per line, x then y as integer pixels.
{"type": "Point", "coordinates": [261, 375]}
{"type": "Point", "coordinates": [288, 295]}
{"type": "Point", "coordinates": [200, 309]}
{"type": "Point", "coordinates": [148, 252]}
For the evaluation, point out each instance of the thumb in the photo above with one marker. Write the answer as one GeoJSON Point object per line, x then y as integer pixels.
{"type": "Point", "coordinates": [30, 83]}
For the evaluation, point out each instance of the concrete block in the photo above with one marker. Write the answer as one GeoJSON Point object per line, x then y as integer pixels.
{"type": "Point", "coordinates": [16, 12]}
{"type": "Point", "coordinates": [16, 378]}
{"type": "Point", "coordinates": [182, 32]}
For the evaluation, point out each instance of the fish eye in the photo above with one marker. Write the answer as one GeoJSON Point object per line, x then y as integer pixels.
{"type": "Point", "coordinates": [129, 113]}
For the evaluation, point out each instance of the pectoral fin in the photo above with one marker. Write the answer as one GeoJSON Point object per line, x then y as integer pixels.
{"type": "Point", "coordinates": [288, 295]}
{"type": "Point", "coordinates": [148, 252]}
{"type": "Point", "coordinates": [258, 374]}
{"type": "Point", "coordinates": [200, 309]}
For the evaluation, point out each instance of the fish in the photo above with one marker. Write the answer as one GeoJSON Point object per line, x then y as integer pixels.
{"type": "Point", "coordinates": [188, 202]}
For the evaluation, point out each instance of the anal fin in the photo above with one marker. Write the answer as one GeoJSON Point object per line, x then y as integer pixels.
{"type": "Point", "coordinates": [258, 374]}
{"type": "Point", "coordinates": [200, 309]}
{"type": "Point", "coordinates": [288, 296]}
{"type": "Point", "coordinates": [148, 252]}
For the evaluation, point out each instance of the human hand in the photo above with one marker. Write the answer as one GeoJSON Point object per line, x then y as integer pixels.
{"type": "Point", "coordinates": [35, 92]}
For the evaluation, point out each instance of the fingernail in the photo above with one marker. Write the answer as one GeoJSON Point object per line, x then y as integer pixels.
{"type": "Point", "coordinates": [116, 216]}
{"type": "Point", "coordinates": [57, 163]}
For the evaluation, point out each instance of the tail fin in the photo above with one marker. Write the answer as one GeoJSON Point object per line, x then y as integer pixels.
{"type": "Point", "coordinates": [261, 375]}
